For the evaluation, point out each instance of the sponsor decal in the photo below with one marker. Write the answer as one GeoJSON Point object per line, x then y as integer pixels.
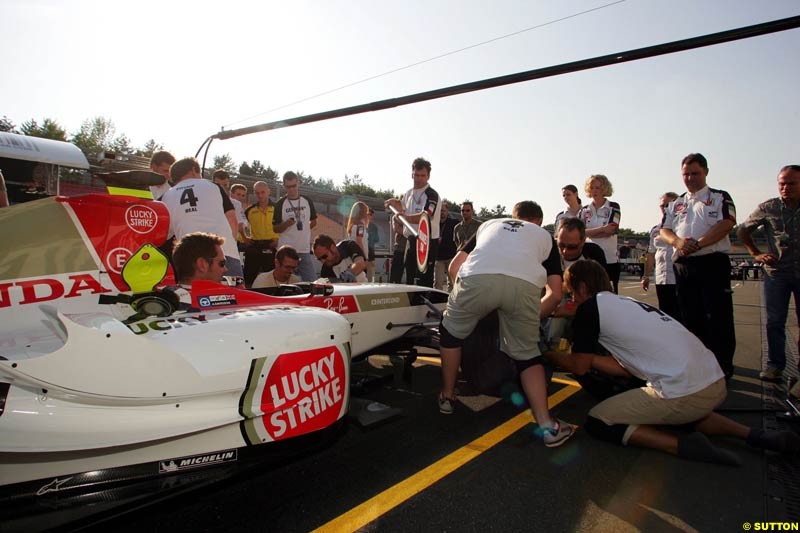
{"type": "Point", "coordinates": [375, 302]}
{"type": "Point", "coordinates": [116, 259]}
{"type": "Point", "coordinates": [341, 304]}
{"type": "Point", "coordinates": [197, 461]}
{"type": "Point", "coordinates": [679, 208]}
{"type": "Point", "coordinates": [56, 485]}
{"type": "Point", "coordinates": [141, 218]}
{"type": "Point", "coordinates": [512, 225]}
{"type": "Point", "coordinates": [217, 300]}
{"type": "Point", "coordinates": [423, 243]}
{"type": "Point", "coordinates": [302, 392]}
{"type": "Point", "coordinates": [39, 290]}
{"type": "Point", "coordinates": [713, 214]}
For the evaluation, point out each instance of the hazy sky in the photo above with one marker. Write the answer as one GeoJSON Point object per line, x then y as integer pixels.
{"type": "Point", "coordinates": [178, 71]}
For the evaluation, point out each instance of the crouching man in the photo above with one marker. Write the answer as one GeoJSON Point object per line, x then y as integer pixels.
{"type": "Point", "coordinates": [343, 262]}
{"type": "Point", "coordinates": [504, 272]}
{"type": "Point", "coordinates": [684, 381]}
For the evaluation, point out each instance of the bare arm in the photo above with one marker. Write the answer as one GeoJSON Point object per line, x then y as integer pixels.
{"type": "Point", "coordinates": [358, 266]}
{"type": "Point", "coordinates": [456, 263]}
{"type": "Point", "coordinates": [649, 265]}
{"type": "Point", "coordinates": [747, 239]}
{"type": "Point", "coordinates": [602, 231]}
{"type": "Point", "coordinates": [231, 216]}
{"type": "Point", "coordinates": [580, 363]}
{"type": "Point", "coordinates": [552, 295]}
{"type": "Point", "coordinates": [716, 233]}
{"type": "Point", "coordinates": [684, 246]}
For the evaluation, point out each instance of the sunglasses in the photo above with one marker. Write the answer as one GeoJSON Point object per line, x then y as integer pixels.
{"type": "Point", "coordinates": [220, 262]}
{"type": "Point", "coordinates": [569, 246]}
{"type": "Point", "coordinates": [323, 257]}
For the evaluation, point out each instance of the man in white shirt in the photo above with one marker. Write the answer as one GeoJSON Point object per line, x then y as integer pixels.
{"type": "Point", "coordinates": [697, 225]}
{"type": "Point", "coordinates": [684, 382]}
{"type": "Point", "coordinates": [196, 204]}
{"type": "Point", "coordinates": [421, 198]}
{"type": "Point", "coordinates": [159, 163]}
{"type": "Point", "coordinates": [659, 260]}
{"type": "Point", "coordinates": [504, 272]}
{"type": "Point", "coordinates": [295, 217]}
{"type": "Point", "coordinates": [286, 260]}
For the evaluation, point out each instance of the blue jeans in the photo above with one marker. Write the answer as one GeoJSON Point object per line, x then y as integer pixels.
{"type": "Point", "coordinates": [776, 296]}
{"type": "Point", "coordinates": [306, 268]}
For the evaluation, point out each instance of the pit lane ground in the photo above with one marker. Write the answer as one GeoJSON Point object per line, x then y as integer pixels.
{"type": "Point", "coordinates": [482, 469]}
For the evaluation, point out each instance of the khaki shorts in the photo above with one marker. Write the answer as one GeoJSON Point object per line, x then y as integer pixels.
{"type": "Point", "coordinates": [643, 407]}
{"type": "Point", "coordinates": [516, 301]}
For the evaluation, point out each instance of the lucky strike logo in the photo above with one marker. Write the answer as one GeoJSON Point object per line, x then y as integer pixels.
{"type": "Point", "coordinates": [141, 218]}
{"type": "Point", "coordinates": [422, 242]}
{"type": "Point", "coordinates": [304, 391]}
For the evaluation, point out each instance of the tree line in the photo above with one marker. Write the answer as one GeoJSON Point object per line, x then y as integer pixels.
{"type": "Point", "coordinates": [99, 134]}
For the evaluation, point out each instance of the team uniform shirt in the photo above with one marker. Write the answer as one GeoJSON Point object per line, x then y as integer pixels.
{"type": "Point", "coordinates": [693, 214]}
{"type": "Point", "coordinates": [419, 200]}
{"type": "Point", "coordinates": [261, 222]}
{"type": "Point", "coordinates": [510, 247]}
{"type": "Point", "coordinates": [267, 279]}
{"type": "Point", "coordinates": [608, 213]}
{"type": "Point", "coordinates": [565, 214]}
{"type": "Point", "coordinates": [665, 275]}
{"type": "Point", "coordinates": [647, 343]}
{"type": "Point", "coordinates": [303, 211]}
{"type": "Point", "coordinates": [782, 227]}
{"type": "Point", "coordinates": [159, 190]}
{"type": "Point", "coordinates": [196, 204]}
{"type": "Point", "coordinates": [349, 251]}
{"type": "Point", "coordinates": [463, 232]}
{"type": "Point", "coordinates": [590, 251]}
{"type": "Point", "coordinates": [359, 230]}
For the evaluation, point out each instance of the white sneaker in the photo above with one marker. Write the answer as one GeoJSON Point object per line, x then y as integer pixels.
{"type": "Point", "coordinates": [558, 434]}
{"type": "Point", "coordinates": [446, 405]}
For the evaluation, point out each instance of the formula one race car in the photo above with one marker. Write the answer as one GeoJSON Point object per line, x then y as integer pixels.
{"type": "Point", "coordinates": [110, 376]}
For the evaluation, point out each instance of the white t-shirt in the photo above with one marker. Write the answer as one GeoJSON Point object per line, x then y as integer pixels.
{"type": "Point", "coordinates": [302, 210]}
{"type": "Point", "coordinates": [159, 190]}
{"type": "Point", "coordinates": [196, 204]}
{"type": "Point", "coordinates": [360, 230]}
{"type": "Point", "coordinates": [424, 199]}
{"type": "Point", "coordinates": [267, 279]}
{"type": "Point", "coordinates": [663, 257]}
{"type": "Point", "coordinates": [596, 217]}
{"type": "Point", "coordinates": [693, 214]}
{"type": "Point", "coordinates": [511, 247]}
{"type": "Point", "coordinates": [647, 342]}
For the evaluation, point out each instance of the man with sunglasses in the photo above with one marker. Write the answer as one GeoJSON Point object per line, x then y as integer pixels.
{"type": "Point", "coordinates": [286, 260]}
{"type": "Point", "coordinates": [659, 257]}
{"type": "Point", "coordinates": [295, 217]}
{"type": "Point", "coordinates": [468, 226]}
{"type": "Point", "coordinates": [343, 262]}
{"type": "Point", "coordinates": [199, 256]}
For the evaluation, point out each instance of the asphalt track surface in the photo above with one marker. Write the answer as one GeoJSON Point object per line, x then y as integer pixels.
{"type": "Point", "coordinates": [482, 468]}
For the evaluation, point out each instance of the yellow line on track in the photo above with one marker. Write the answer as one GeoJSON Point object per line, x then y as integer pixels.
{"type": "Point", "coordinates": [370, 510]}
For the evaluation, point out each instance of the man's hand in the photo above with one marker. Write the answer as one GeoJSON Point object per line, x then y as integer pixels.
{"type": "Point", "coordinates": [393, 202]}
{"type": "Point", "coordinates": [687, 246]}
{"type": "Point", "coordinates": [645, 283]}
{"type": "Point", "coordinates": [768, 259]}
{"type": "Point", "coordinates": [347, 276]}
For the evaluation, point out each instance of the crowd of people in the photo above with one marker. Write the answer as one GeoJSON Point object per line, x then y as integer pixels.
{"type": "Point", "coordinates": [555, 295]}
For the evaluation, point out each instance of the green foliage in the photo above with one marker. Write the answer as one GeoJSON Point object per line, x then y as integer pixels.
{"type": "Point", "coordinates": [7, 125]}
{"type": "Point", "coordinates": [498, 211]}
{"type": "Point", "coordinates": [224, 162]}
{"type": "Point", "coordinates": [322, 183]}
{"type": "Point", "coordinates": [96, 135]}
{"type": "Point", "coordinates": [356, 185]}
{"type": "Point", "coordinates": [149, 148]}
{"type": "Point", "coordinates": [627, 233]}
{"type": "Point", "coordinates": [50, 129]}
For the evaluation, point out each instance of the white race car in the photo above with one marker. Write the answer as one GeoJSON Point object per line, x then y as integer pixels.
{"type": "Point", "coordinates": [109, 376]}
